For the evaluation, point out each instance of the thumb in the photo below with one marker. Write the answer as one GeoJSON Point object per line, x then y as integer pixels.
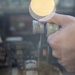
{"type": "Point", "coordinates": [60, 19]}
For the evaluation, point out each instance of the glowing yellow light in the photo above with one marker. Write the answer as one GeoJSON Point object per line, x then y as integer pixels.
{"type": "Point", "coordinates": [42, 7]}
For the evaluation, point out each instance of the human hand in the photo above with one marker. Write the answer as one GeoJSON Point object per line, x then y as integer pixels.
{"type": "Point", "coordinates": [63, 41]}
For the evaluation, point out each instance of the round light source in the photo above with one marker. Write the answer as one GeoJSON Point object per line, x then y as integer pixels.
{"type": "Point", "coordinates": [41, 8]}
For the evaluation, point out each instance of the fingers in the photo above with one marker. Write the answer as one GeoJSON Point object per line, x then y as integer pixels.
{"type": "Point", "coordinates": [54, 41]}
{"type": "Point", "coordinates": [57, 54]}
{"type": "Point", "coordinates": [69, 66]}
{"type": "Point", "coordinates": [60, 19]}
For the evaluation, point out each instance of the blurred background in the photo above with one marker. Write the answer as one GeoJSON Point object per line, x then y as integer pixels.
{"type": "Point", "coordinates": [18, 42]}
